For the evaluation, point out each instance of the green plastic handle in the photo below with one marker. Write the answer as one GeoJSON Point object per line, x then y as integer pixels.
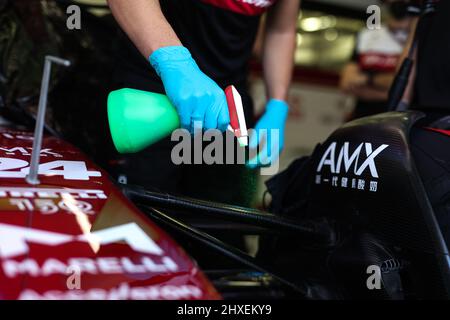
{"type": "Point", "coordinates": [138, 119]}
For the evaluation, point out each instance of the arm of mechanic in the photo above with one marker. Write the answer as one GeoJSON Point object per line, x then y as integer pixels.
{"type": "Point", "coordinates": [278, 62]}
{"type": "Point", "coordinates": [200, 102]}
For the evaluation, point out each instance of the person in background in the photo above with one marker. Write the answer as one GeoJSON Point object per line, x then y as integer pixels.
{"type": "Point", "coordinates": [371, 71]}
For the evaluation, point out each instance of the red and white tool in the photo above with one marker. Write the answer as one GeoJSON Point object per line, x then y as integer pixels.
{"type": "Point", "coordinates": [237, 118]}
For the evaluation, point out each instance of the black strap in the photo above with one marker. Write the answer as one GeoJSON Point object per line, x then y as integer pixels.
{"type": "Point", "coordinates": [402, 78]}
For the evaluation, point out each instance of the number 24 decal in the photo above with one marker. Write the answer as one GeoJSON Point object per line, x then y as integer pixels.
{"type": "Point", "coordinates": [70, 170]}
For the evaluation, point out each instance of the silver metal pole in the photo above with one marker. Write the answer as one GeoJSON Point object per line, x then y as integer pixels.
{"type": "Point", "coordinates": [32, 177]}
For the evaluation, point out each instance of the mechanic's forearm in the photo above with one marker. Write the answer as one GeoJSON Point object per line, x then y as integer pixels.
{"type": "Point", "coordinates": [279, 47]}
{"type": "Point", "coordinates": [145, 24]}
{"type": "Point", "coordinates": [278, 63]}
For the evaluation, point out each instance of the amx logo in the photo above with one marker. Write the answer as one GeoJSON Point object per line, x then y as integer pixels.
{"type": "Point", "coordinates": [351, 163]}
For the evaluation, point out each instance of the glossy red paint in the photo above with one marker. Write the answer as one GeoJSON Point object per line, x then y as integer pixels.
{"type": "Point", "coordinates": [245, 7]}
{"type": "Point", "coordinates": [70, 238]}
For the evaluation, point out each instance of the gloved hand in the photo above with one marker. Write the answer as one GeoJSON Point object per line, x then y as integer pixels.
{"type": "Point", "coordinates": [269, 144]}
{"type": "Point", "coordinates": [195, 96]}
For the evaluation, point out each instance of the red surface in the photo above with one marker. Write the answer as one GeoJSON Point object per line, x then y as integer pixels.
{"type": "Point", "coordinates": [234, 120]}
{"type": "Point", "coordinates": [446, 132]}
{"type": "Point", "coordinates": [246, 7]}
{"type": "Point", "coordinates": [71, 250]}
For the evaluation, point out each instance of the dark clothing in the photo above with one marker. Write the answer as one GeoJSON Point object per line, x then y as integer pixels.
{"type": "Point", "coordinates": [365, 108]}
{"type": "Point", "coordinates": [153, 169]}
{"type": "Point", "coordinates": [220, 36]}
{"type": "Point", "coordinates": [433, 63]}
{"type": "Point", "coordinates": [219, 39]}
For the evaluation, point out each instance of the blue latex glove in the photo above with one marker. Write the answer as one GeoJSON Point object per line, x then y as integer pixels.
{"type": "Point", "coordinates": [196, 97]}
{"type": "Point", "coordinates": [269, 144]}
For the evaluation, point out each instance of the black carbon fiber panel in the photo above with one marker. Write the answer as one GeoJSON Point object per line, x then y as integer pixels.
{"type": "Point", "coordinates": [366, 180]}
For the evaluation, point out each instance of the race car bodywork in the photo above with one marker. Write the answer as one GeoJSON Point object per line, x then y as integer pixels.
{"type": "Point", "coordinates": [75, 236]}
{"type": "Point", "coordinates": [355, 206]}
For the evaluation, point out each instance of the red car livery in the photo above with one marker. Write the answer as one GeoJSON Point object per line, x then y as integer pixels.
{"type": "Point", "coordinates": [246, 7]}
{"type": "Point", "coordinates": [75, 236]}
